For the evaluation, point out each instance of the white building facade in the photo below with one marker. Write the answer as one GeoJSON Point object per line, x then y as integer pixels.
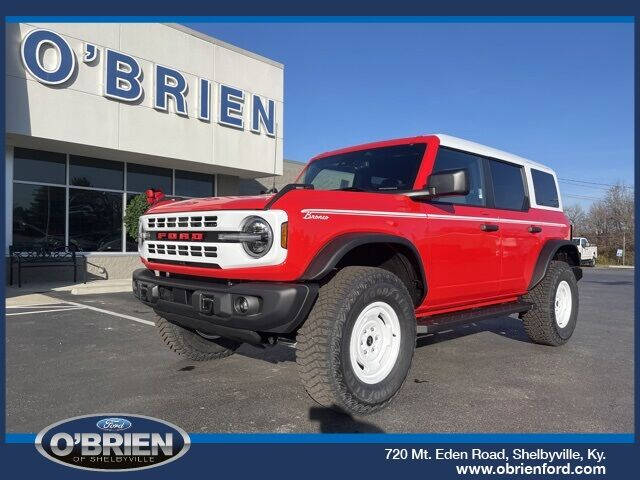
{"type": "Point", "coordinates": [97, 113]}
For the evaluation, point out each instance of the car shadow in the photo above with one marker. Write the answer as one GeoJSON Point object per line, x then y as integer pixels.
{"type": "Point", "coordinates": [609, 282]}
{"type": "Point", "coordinates": [273, 354]}
{"type": "Point", "coordinates": [331, 421]}
{"type": "Point", "coordinates": [508, 327]}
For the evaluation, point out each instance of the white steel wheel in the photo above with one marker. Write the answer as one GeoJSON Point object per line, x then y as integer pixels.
{"type": "Point", "coordinates": [375, 342]}
{"type": "Point", "coordinates": [563, 304]}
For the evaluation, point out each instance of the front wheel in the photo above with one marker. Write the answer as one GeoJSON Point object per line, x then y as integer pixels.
{"type": "Point", "coordinates": [355, 349]}
{"type": "Point", "coordinates": [553, 317]}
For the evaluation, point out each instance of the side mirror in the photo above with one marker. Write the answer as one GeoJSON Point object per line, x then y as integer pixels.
{"type": "Point", "coordinates": [443, 184]}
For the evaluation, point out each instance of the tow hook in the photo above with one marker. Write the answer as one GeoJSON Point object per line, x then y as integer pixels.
{"type": "Point", "coordinates": [205, 305]}
{"type": "Point", "coordinates": [148, 292]}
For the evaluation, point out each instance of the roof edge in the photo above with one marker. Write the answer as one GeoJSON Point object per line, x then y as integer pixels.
{"type": "Point", "coordinates": [486, 150]}
{"type": "Point", "coordinates": [220, 43]}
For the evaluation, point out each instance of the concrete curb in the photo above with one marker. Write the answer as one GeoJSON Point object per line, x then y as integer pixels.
{"type": "Point", "coordinates": [120, 286]}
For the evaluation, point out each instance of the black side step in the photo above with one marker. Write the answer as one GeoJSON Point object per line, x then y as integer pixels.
{"type": "Point", "coordinates": [446, 320]}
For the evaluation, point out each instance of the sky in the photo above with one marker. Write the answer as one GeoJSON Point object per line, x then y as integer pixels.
{"type": "Point", "coordinates": [558, 93]}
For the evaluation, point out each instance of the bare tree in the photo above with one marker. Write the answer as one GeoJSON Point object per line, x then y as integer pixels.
{"type": "Point", "coordinates": [577, 216]}
{"type": "Point", "coordinates": [610, 222]}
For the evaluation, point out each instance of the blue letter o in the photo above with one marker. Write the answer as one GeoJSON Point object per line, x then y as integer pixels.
{"type": "Point", "coordinates": [31, 46]}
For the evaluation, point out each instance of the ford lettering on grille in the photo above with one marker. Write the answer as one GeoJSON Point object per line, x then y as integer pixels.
{"type": "Point", "coordinates": [181, 236]}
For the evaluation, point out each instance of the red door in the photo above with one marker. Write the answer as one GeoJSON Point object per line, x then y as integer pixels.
{"type": "Point", "coordinates": [464, 256]}
{"type": "Point", "coordinates": [520, 236]}
{"type": "Point", "coordinates": [464, 241]}
{"type": "Point", "coordinates": [521, 244]}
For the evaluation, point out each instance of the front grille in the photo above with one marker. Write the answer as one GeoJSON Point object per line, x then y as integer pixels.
{"type": "Point", "coordinates": [182, 250]}
{"type": "Point", "coordinates": [177, 221]}
{"type": "Point", "coordinates": [193, 238]}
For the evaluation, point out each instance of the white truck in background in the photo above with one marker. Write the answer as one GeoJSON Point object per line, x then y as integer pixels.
{"type": "Point", "coordinates": [588, 252]}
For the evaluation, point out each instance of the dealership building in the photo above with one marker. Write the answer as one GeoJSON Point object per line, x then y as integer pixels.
{"type": "Point", "coordinates": [98, 113]}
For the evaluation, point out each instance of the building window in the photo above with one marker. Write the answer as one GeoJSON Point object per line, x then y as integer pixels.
{"type": "Point", "coordinates": [38, 215]}
{"type": "Point", "coordinates": [131, 243]}
{"type": "Point", "coordinates": [192, 184]}
{"type": "Point", "coordinates": [143, 177]}
{"type": "Point", "coordinates": [95, 220]}
{"type": "Point", "coordinates": [39, 166]}
{"type": "Point", "coordinates": [96, 173]}
{"type": "Point", "coordinates": [55, 191]}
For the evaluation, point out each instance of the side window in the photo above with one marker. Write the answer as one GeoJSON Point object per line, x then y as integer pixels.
{"type": "Point", "coordinates": [333, 179]}
{"type": "Point", "coordinates": [508, 185]}
{"type": "Point", "coordinates": [545, 187]}
{"type": "Point", "coordinates": [447, 159]}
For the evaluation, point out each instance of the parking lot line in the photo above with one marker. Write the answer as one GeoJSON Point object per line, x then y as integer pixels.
{"type": "Point", "coordinates": [41, 305]}
{"type": "Point", "coordinates": [43, 311]}
{"type": "Point", "coordinates": [116, 314]}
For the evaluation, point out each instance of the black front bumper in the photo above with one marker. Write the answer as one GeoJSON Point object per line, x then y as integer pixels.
{"type": "Point", "coordinates": [208, 305]}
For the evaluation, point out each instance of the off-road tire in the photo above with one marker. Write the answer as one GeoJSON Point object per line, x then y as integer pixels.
{"type": "Point", "coordinates": [323, 342]}
{"type": "Point", "coordinates": [540, 322]}
{"type": "Point", "coordinates": [191, 345]}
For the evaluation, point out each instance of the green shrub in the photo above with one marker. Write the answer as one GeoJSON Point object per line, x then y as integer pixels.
{"type": "Point", "coordinates": [136, 207]}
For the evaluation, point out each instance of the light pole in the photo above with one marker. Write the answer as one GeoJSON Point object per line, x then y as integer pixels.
{"type": "Point", "coordinates": [624, 241]}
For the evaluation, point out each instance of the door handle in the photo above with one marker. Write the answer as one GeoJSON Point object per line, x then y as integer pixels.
{"type": "Point", "coordinates": [489, 227]}
{"type": "Point", "coordinates": [535, 229]}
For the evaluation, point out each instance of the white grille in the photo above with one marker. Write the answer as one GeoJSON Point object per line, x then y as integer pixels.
{"type": "Point", "coordinates": [190, 221]}
{"type": "Point", "coordinates": [222, 254]}
{"type": "Point", "coordinates": [182, 250]}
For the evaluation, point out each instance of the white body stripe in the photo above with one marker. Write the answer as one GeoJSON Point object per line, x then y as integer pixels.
{"type": "Point", "coordinates": [367, 213]}
{"type": "Point", "coordinates": [432, 216]}
{"type": "Point", "coordinates": [493, 219]}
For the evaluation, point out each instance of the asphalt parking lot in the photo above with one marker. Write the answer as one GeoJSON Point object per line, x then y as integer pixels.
{"type": "Point", "coordinates": [68, 359]}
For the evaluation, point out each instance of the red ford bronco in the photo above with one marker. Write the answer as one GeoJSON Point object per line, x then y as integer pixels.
{"type": "Point", "coordinates": [375, 244]}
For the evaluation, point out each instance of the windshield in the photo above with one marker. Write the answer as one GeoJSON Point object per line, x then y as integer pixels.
{"type": "Point", "coordinates": [385, 169]}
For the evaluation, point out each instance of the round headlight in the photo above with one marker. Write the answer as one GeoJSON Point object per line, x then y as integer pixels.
{"type": "Point", "coordinates": [140, 235]}
{"type": "Point", "coordinates": [262, 235]}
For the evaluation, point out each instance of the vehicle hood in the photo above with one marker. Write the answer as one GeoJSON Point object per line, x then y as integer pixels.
{"type": "Point", "coordinates": [256, 202]}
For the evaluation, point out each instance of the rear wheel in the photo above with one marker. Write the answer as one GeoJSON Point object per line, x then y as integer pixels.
{"type": "Point", "coordinates": [195, 346]}
{"type": "Point", "coordinates": [553, 317]}
{"type": "Point", "coordinates": [355, 349]}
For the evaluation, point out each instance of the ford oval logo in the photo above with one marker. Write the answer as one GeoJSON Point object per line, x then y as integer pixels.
{"type": "Point", "coordinates": [112, 442]}
{"type": "Point", "coordinates": [113, 424]}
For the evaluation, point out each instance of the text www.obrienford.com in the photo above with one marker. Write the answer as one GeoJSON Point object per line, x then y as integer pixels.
{"type": "Point", "coordinates": [522, 469]}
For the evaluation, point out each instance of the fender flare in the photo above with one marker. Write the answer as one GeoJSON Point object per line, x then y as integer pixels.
{"type": "Point", "coordinates": [337, 248]}
{"type": "Point", "coordinates": [547, 253]}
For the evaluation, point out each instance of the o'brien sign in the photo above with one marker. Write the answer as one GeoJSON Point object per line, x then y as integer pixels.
{"type": "Point", "coordinates": [122, 81]}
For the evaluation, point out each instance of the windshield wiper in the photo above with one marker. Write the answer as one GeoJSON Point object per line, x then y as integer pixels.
{"type": "Point", "coordinates": [352, 189]}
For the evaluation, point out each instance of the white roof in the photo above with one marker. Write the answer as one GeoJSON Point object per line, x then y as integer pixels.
{"type": "Point", "coordinates": [472, 147]}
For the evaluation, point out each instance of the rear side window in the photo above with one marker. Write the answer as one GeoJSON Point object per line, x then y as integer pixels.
{"type": "Point", "coordinates": [545, 187]}
{"type": "Point", "coordinates": [508, 186]}
{"type": "Point", "coordinates": [452, 160]}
